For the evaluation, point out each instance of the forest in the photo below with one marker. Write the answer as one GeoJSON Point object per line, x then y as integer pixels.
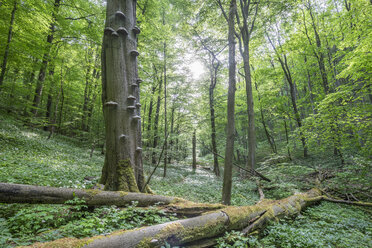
{"type": "Point", "coordinates": [200, 123]}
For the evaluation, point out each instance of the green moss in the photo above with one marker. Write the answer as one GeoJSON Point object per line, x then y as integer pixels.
{"type": "Point", "coordinates": [127, 181]}
{"type": "Point", "coordinates": [92, 192]}
{"type": "Point", "coordinates": [122, 193]}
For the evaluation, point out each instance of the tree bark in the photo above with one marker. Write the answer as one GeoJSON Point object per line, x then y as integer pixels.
{"type": "Point", "coordinates": [54, 118]}
{"type": "Point", "coordinates": [309, 85]}
{"type": "Point", "coordinates": [216, 168]}
{"type": "Point", "coordinates": [194, 150]}
{"type": "Point", "coordinates": [245, 35]}
{"type": "Point", "coordinates": [48, 110]}
{"type": "Point", "coordinates": [195, 231]}
{"type": "Point", "coordinates": [165, 108]}
{"type": "Point", "coordinates": [171, 142]}
{"type": "Point", "coordinates": [7, 48]}
{"type": "Point", "coordinates": [89, 77]}
{"type": "Point", "coordinates": [156, 122]}
{"type": "Point", "coordinates": [18, 193]}
{"type": "Point", "coordinates": [229, 152]}
{"type": "Point", "coordinates": [123, 168]}
{"type": "Point", "coordinates": [149, 118]}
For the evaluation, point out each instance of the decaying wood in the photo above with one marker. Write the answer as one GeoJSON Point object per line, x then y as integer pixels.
{"type": "Point", "coordinates": [19, 193]}
{"type": "Point", "coordinates": [192, 232]}
{"type": "Point", "coordinates": [189, 232]}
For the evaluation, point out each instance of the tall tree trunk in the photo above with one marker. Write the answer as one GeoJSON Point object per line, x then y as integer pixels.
{"type": "Point", "coordinates": [171, 141]}
{"type": "Point", "coordinates": [287, 72]}
{"type": "Point", "coordinates": [50, 100]}
{"type": "Point", "coordinates": [46, 59]}
{"type": "Point", "coordinates": [194, 150]}
{"type": "Point", "coordinates": [214, 67]}
{"type": "Point", "coordinates": [165, 109]}
{"type": "Point", "coordinates": [86, 89]}
{"type": "Point", "coordinates": [287, 139]}
{"type": "Point", "coordinates": [60, 116]}
{"type": "Point", "coordinates": [29, 92]}
{"type": "Point", "coordinates": [270, 139]}
{"type": "Point", "coordinates": [229, 152]}
{"type": "Point", "coordinates": [156, 123]}
{"type": "Point", "coordinates": [320, 55]}
{"type": "Point", "coordinates": [309, 85]}
{"type": "Point", "coordinates": [53, 120]}
{"type": "Point", "coordinates": [216, 168]}
{"type": "Point", "coordinates": [123, 169]}
{"type": "Point", "coordinates": [149, 118]}
{"type": "Point", "coordinates": [7, 48]}
{"type": "Point", "coordinates": [245, 35]}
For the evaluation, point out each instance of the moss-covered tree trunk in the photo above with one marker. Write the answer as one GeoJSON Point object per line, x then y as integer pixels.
{"type": "Point", "coordinates": [197, 231]}
{"type": "Point", "coordinates": [123, 169]}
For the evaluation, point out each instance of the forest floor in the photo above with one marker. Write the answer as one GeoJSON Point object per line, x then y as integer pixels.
{"type": "Point", "coordinates": [27, 157]}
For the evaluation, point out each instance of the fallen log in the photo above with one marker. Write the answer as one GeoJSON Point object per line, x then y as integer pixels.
{"type": "Point", "coordinates": [19, 193]}
{"type": "Point", "coordinates": [197, 230]}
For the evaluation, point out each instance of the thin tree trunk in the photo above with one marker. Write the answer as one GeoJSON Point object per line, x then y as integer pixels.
{"type": "Point", "coordinates": [165, 108]}
{"type": "Point", "coordinates": [270, 139]}
{"type": "Point", "coordinates": [54, 119]}
{"type": "Point", "coordinates": [229, 152]}
{"type": "Point", "coordinates": [319, 55]}
{"type": "Point", "coordinates": [194, 150]}
{"type": "Point", "coordinates": [60, 116]}
{"type": "Point", "coordinates": [216, 168]}
{"type": "Point", "coordinates": [214, 67]}
{"type": "Point", "coordinates": [86, 90]}
{"type": "Point", "coordinates": [156, 122]}
{"type": "Point", "coordinates": [29, 92]}
{"type": "Point", "coordinates": [171, 142]}
{"type": "Point", "coordinates": [309, 85]}
{"type": "Point", "coordinates": [7, 48]}
{"type": "Point", "coordinates": [284, 64]}
{"type": "Point", "coordinates": [287, 139]}
{"type": "Point", "coordinates": [49, 104]}
{"type": "Point", "coordinates": [46, 60]}
{"type": "Point", "coordinates": [149, 118]}
{"type": "Point", "coordinates": [244, 42]}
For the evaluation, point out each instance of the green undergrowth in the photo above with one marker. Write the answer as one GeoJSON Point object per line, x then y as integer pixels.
{"type": "Point", "coordinates": [322, 226]}
{"type": "Point", "coordinates": [26, 224]}
{"type": "Point", "coordinates": [201, 185]}
{"type": "Point", "coordinates": [27, 157]}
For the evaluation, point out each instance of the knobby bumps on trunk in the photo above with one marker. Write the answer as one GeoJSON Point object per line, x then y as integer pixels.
{"type": "Point", "coordinates": [123, 169]}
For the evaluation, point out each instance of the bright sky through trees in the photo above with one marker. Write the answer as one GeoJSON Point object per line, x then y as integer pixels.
{"type": "Point", "coordinates": [197, 69]}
